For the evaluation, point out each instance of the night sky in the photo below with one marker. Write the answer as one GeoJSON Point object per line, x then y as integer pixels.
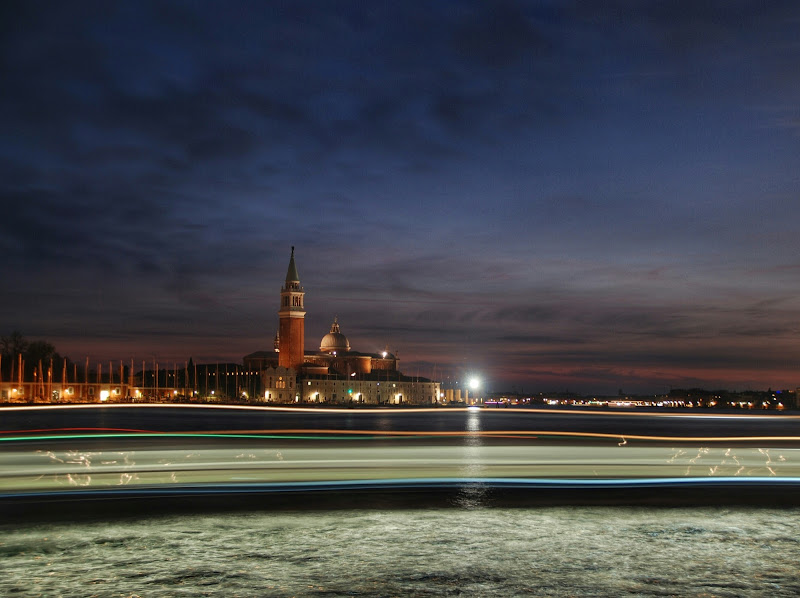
{"type": "Point", "coordinates": [555, 195]}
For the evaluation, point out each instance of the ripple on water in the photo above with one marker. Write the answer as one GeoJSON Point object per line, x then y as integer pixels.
{"type": "Point", "coordinates": [591, 551]}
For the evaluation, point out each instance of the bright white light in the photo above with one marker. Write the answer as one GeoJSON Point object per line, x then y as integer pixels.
{"type": "Point", "coordinates": [474, 383]}
{"type": "Point", "coordinates": [384, 354]}
{"type": "Point", "coordinates": [104, 395]}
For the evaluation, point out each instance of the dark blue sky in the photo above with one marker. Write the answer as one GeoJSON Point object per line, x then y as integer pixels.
{"type": "Point", "coordinates": [581, 195]}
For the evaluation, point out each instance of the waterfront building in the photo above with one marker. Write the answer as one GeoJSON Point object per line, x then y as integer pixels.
{"type": "Point", "coordinates": [61, 391]}
{"type": "Point", "coordinates": [336, 373]}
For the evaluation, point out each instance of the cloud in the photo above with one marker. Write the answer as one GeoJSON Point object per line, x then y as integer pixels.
{"type": "Point", "coordinates": [572, 182]}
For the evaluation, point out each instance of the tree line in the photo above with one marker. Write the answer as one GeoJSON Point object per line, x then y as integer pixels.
{"type": "Point", "coordinates": [36, 355]}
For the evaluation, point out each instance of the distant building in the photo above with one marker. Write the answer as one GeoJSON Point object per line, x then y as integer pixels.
{"type": "Point", "coordinates": [335, 373]}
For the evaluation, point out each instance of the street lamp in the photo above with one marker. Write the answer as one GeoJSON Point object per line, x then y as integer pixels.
{"type": "Point", "coordinates": [474, 383]}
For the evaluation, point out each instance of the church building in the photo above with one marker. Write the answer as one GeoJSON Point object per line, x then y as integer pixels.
{"type": "Point", "coordinates": [335, 373]}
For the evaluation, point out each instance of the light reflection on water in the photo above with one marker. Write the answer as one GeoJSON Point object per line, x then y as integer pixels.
{"type": "Point", "coordinates": [548, 551]}
{"type": "Point", "coordinates": [472, 495]}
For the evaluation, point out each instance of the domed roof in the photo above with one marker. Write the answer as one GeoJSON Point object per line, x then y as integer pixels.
{"type": "Point", "coordinates": [334, 340]}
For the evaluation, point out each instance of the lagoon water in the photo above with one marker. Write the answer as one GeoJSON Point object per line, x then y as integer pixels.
{"type": "Point", "coordinates": [549, 551]}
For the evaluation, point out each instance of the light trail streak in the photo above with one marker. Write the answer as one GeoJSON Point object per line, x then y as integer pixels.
{"type": "Point", "coordinates": [523, 434]}
{"type": "Point", "coordinates": [340, 410]}
{"type": "Point", "coordinates": [403, 483]}
{"type": "Point", "coordinates": [181, 435]}
{"type": "Point", "coordinates": [26, 470]}
{"type": "Point", "coordinates": [327, 434]}
{"type": "Point", "coordinates": [393, 411]}
{"type": "Point", "coordinates": [85, 429]}
{"type": "Point", "coordinates": [290, 446]}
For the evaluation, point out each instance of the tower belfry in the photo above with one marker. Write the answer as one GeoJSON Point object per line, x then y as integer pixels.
{"type": "Point", "coordinates": [292, 315]}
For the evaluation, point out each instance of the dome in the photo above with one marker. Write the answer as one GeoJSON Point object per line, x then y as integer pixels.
{"type": "Point", "coordinates": [334, 341]}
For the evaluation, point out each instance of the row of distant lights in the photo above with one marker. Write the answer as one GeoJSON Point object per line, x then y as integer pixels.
{"type": "Point", "coordinates": [618, 403]}
{"type": "Point", "coordinates": [384, 354]}
{"type": "Point", "coordinates": [474, 383]}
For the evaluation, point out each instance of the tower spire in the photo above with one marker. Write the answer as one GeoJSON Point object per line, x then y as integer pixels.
{"type": "Point", "coordinates": [291, 337]}
{"type": "Point", "coordinates": [291, 273]}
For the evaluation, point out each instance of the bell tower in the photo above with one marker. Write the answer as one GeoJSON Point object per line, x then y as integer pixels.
{"type": "Point", "coordinates": [292, 320]}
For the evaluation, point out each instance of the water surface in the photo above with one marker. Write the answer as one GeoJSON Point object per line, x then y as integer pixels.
{"type": "Point", "coordinates": [549, 551]}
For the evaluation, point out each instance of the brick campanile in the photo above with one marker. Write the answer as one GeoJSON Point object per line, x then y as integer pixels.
{"type": "Point", "coordinates": [292, 320]}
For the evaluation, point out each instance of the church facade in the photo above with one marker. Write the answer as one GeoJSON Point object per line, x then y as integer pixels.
{"type": "Point", "coordinates": [334, 374]}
